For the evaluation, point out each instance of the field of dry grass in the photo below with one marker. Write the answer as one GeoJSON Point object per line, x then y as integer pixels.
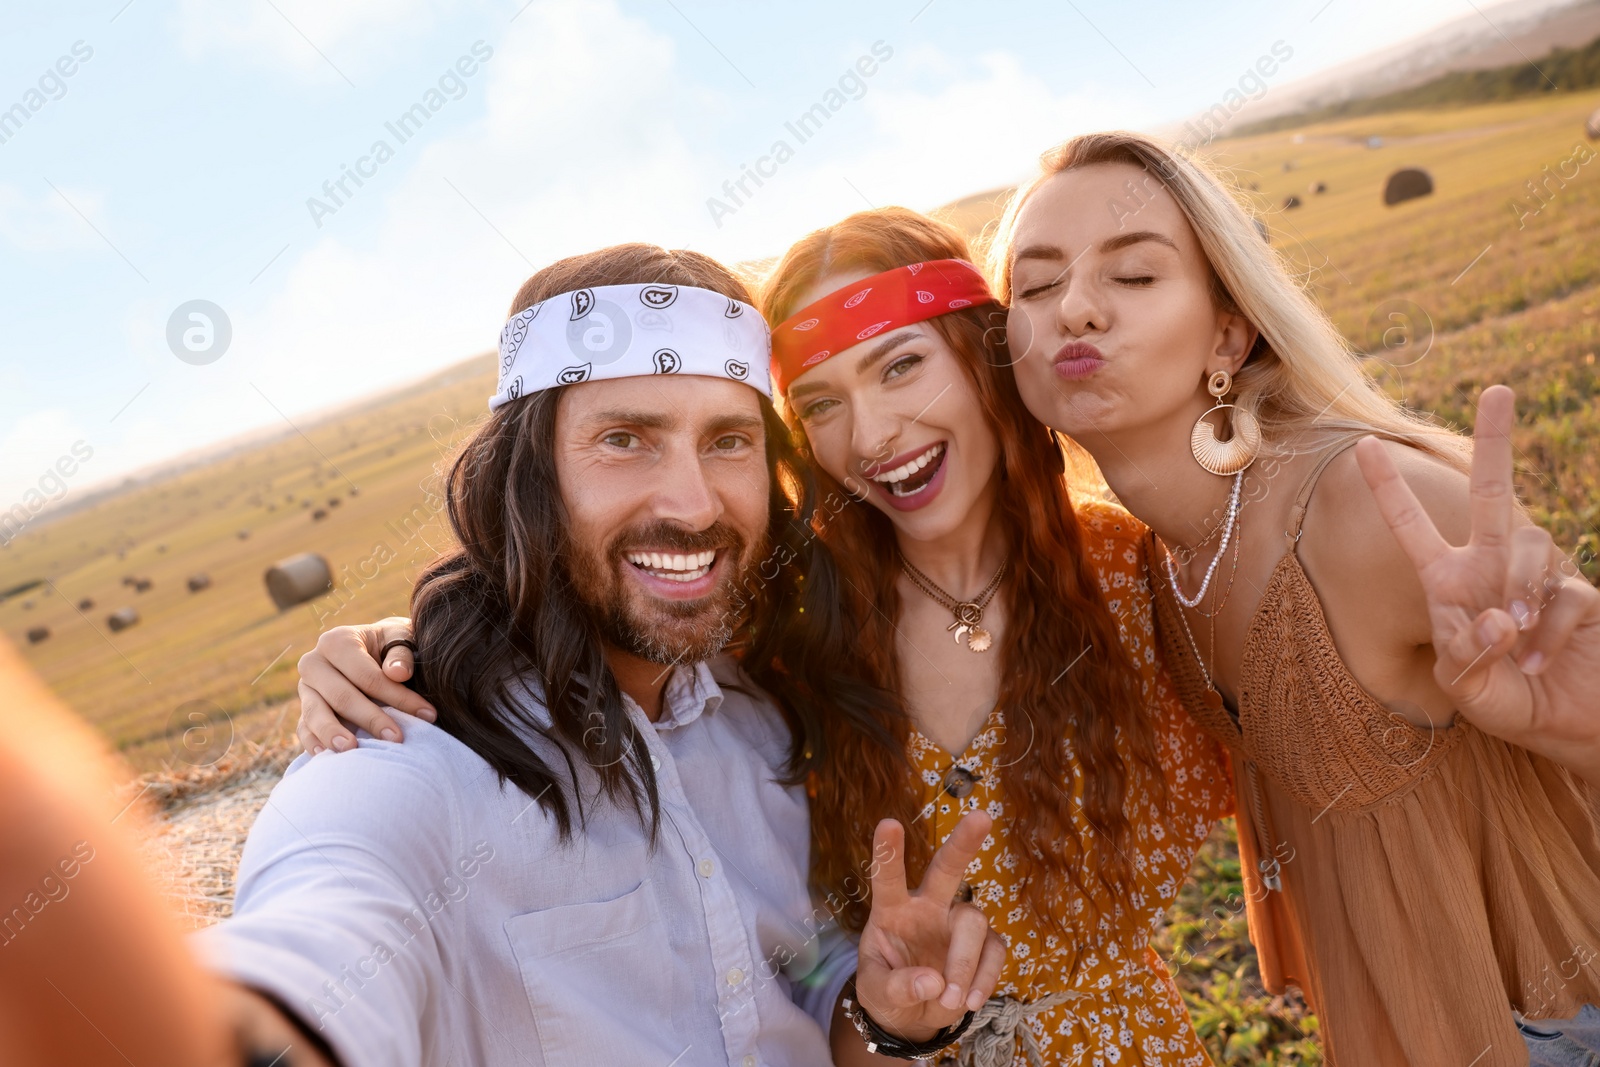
{"type": "Point", "coordinates": [1478, 283]}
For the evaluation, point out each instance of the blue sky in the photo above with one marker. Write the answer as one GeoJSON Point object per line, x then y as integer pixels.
{"type": "Point", "coordinates": [179, 159]}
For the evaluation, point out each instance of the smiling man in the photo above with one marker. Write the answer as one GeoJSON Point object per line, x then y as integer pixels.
{"type": "Point", "coordinates": [592, 855]}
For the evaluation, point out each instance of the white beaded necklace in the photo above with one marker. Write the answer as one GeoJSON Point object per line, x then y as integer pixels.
{"type": "Point", "coordinates": [1222, 550]}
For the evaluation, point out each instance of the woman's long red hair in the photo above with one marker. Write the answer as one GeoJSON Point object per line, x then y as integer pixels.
{"type": "Point", "coordinates": [1056, 618]}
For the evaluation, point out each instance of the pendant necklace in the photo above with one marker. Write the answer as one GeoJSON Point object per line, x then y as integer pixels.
{"type": "Point", "coordinates": [968, 613]}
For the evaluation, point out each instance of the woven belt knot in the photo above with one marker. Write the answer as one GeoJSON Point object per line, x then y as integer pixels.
{"type": "Point", "coordinates": [999, 1025]}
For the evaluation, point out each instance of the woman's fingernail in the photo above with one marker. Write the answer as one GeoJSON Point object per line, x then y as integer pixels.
{"type": "Point", "coordinates": [925, 987]}
{"type": "Point", "coordinates": [429, 714]}
{"type": "Point", "coordinates": [340, 744]}
{"type": "Point", "coordinates": [1521, 613]}
{"type": "Point", "coordinates": [1532, 662]}
{"type": "Point", "coordinates": [390, 734]}
{"type": "Point", "coordinates": [1488, 632]}
{"type": "Point", "coordinates": [952, 997]}
{"type": "Point", "coordinates": [974, 1000]}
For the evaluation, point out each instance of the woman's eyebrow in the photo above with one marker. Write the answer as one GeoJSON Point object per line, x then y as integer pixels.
{"type": "Point", "coordinates": [1123, 240]}
{"type": "Point", "coordinates": [877, 352]}
{"type": "Point", "coordinates": [883, 348]}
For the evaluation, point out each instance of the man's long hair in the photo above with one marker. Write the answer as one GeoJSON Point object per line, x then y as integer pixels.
{"type": "Point", "coordinates": [500, 610]}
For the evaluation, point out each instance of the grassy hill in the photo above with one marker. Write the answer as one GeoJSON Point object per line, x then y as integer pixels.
{"type": "Point", "coordinates": [1562, 70]}
{"type": "Point", "coordinates": [226, 652]}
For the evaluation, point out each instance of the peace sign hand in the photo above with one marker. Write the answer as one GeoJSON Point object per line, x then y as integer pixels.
{"type": "Point", "coordinates": [926, 959]}
{"type": "Point", "coordinates": [1516, 628]}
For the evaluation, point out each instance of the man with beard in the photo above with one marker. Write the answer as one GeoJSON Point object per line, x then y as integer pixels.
{"type": "Point", "coordinates": [598, 853]}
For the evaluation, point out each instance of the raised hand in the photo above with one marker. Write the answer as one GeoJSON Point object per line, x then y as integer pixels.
{"type": "Point", "coordinates": [342, 672]}
{"type": "Point", "coordinates": [926, 958]}
{"type": "Point", "coordinates": [1516, 628]}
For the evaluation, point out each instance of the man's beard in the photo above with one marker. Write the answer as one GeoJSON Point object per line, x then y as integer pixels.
{"type": "Point", "coordinates": [656, 630]}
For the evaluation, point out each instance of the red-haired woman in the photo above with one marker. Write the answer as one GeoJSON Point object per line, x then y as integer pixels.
{"type": "Point", "coordinates": [1009, 632]}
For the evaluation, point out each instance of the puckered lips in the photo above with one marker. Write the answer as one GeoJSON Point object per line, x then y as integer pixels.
{"type": "Point", "coordinates": [912, 479]}
{"type": "Point", "coordinates": [675, 575]}
{"type": "Point", "coordinates": [1077, 360]}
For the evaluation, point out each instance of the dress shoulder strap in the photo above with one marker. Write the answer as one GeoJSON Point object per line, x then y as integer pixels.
{"type": "Point", "coordinates": [1302, 500]}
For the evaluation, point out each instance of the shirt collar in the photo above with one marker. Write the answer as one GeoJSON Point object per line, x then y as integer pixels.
{"type": "Point", "coordinates": [690, 692]}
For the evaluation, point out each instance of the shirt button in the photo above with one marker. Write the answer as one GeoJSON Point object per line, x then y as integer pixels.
{"type": "Point", "coordinates": [749, 1061]}
{"type": "Point", "coordinates": [706, 867]}
{"type": "Point", "coordinates": [735, 976]}
{"type": "Point", "coordinates": [655, 761]}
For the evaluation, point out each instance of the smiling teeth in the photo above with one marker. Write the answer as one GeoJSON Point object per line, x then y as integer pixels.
{"type": "Point", "coordinates": [906, 470]}
{"type": "Point", "coordinates": [674, 567]}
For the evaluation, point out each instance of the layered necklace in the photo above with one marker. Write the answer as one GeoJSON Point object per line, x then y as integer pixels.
{"type": "Point", "coordinates": [968, 613]}
{"type": "Point", "coordinates": [1230, 535]}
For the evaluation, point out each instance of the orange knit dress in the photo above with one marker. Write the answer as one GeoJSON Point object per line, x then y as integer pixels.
{"type": "Point", "coordinates": [1122, 1007]}
{"type": "Point", "coordinates": [1432, 880]}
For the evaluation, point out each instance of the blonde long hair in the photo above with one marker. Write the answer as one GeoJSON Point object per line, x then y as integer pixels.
{"type": "Point", "coordinates": [1302, 376]}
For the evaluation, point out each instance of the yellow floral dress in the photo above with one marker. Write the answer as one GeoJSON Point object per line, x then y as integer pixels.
{"type": "Point", "coordinates": [1123, 1007]}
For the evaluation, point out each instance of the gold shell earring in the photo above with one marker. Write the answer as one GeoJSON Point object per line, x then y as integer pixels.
{"type": "Point", "coordinates": [1239, 450]}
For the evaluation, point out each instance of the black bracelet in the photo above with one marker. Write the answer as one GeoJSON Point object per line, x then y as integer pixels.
{"type": "Point", "coordinates": [883, 1043]}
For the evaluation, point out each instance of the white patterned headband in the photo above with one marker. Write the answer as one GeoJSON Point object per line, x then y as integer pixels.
{"type": "Point", "coordinates": [625, 331]}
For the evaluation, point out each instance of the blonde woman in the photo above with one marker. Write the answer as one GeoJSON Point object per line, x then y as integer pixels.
{"type": "Point", "coordinates": [1414, 727]}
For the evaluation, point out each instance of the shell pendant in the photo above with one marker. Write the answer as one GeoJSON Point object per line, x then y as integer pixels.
{"type": "Point", "coordinates": [968, 626]}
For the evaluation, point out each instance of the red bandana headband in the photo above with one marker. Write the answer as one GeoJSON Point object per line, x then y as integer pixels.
{"type": "Point", "coordinates": [882, 302]}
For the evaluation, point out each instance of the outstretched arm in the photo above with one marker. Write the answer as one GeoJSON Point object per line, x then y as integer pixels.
{"type": "Point", "coordinates": [92, 968]}
{"type": "Point", "coordinates": [1516, 628]}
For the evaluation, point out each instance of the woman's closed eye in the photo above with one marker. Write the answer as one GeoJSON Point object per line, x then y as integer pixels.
{"type": "Point", "coordinates": [1030, 292]}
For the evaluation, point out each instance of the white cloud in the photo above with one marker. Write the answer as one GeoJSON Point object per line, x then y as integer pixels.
{"type": "Point", "coordinates": [43, 222]}
{"type": "Point", "coordinates": [987, 125]}
{"type": "Point", "coordinates": [33, 447]}
{"type": "Point", "coordinates": [575, 150]}
{"type": "Point", "coordinates": [929, 129]}
{"type": "Point", "coordinates": [305, 36]}
{"type": "Point", "coordinates": [587, 139]}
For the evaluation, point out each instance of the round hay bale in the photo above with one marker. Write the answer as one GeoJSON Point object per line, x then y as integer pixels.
{"type": "Point", "coordinates": [86, 604]}
{"type": "Point", "coordinates": [121, 619]}
{"type": "Point", "coordinates": [244, 535]}
{"type": "Point", "coordinates": [334, 501]}
{"type": "Point", "coordinates": [1291, 202]}
{"type": "Point", "coordinates": [1318, 188]}
{"type": "Point", "coordinates": [298, 579]}
{"type": "Point", "coordinates": [319, 514]}
{"type": "Point", "coordinates": [1592, 127]}
{"type": "Point", "coordinates": [142, 585]}
{"type": "Point", "coordinates": [1408, 183]}
{"type": "Point", "coordinates": [198, 582]}
{"type": "Point", "coordinates": [37, 634]}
